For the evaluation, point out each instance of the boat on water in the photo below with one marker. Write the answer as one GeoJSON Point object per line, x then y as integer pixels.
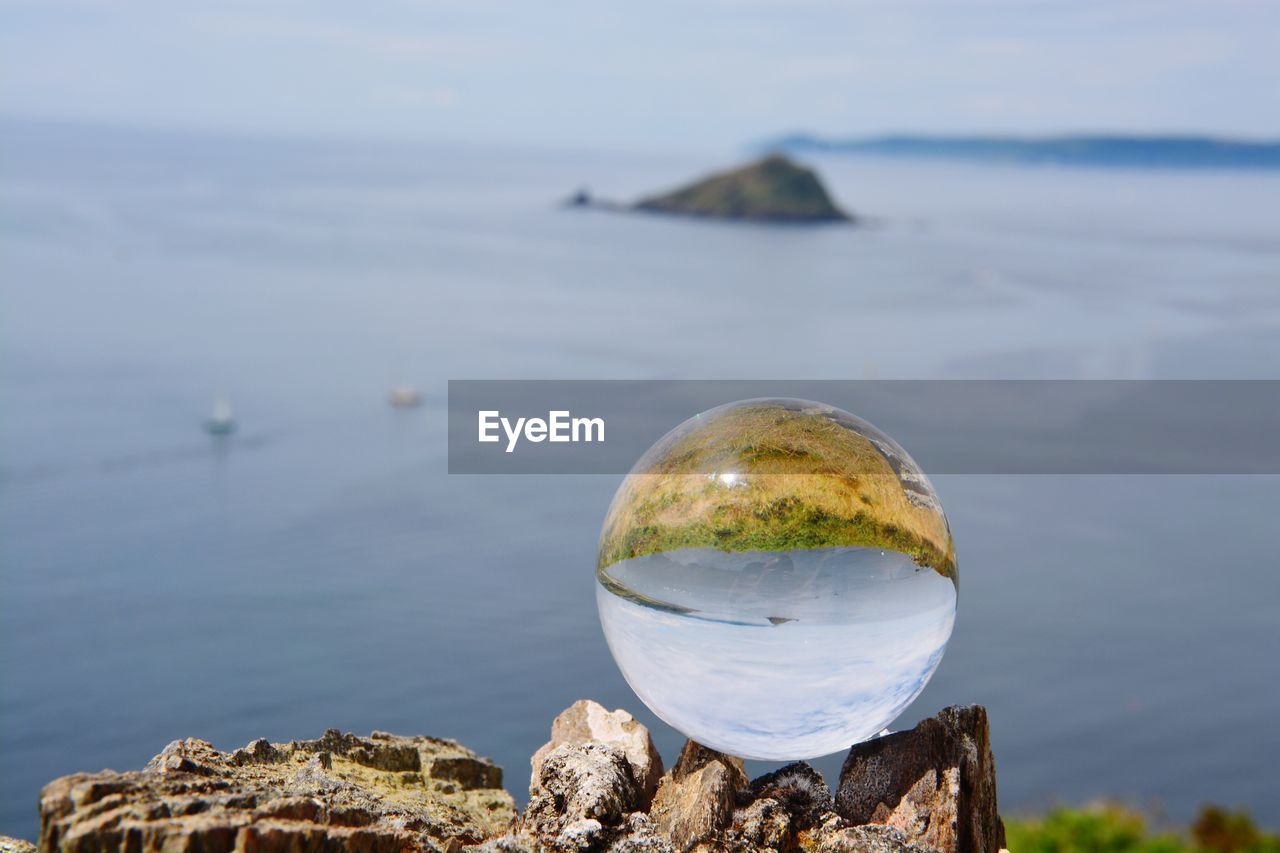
{"type": "Point", "coordinates": [405, 397]}
{"type": "Point", "coordinates": [221, 421]}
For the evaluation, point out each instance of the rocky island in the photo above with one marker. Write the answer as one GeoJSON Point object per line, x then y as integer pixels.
{"type": "Point", "coordinates": [597, 784]}
{"type": "Point", "coordinates": [773, 189]}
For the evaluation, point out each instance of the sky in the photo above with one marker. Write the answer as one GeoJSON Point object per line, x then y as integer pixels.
{"type": "Point", "coordinates": [645, 73]}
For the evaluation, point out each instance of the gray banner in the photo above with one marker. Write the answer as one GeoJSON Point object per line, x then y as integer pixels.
{"type": "Point", "coordinates": [948, 426]}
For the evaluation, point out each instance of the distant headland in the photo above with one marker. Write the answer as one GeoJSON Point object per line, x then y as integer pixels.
{"type": "Point", "coordinates": [1172, 152]}
{"type": "Point", "coordinates": [772, 189]}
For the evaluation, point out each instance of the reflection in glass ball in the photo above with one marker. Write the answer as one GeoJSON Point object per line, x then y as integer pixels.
{"type": "Point", "coordinates": [776, 579]}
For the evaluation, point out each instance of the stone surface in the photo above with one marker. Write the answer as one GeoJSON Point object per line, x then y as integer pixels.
{"type": "Point", "coordinates": [339, 792]}
{"type": "Point", "coordinates": [800, 790]}
{"type": "Point", "coordinates": [929, 789]}
{"type": "Point", "coordinates": [15, 845]}
{"type": "Point", "coordinates": [936, 783]}
{"type": "Point", "coordinates": [764, 824]}
{"type": "Point", "coordinates": [590, 780]}
{"type": "Point", "coordinates": [580, 800]}
{"type": "Point", "coordinates": [773, 189]}
{"type": "Point", "coordinates": [705, 803]}
{"type": "Point", "coordinates": [694, 756]}
{"type": "Point", "coordinates": [588, 722]}
{"type": "Point", "coordinates": [840, 837]}
{"type": "Point", "coordinates": [635, 833]}
{"type": "Point", "coordinates": [696, 799]}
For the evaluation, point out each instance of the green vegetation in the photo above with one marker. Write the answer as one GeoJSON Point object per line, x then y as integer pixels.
{"type": "Point", "coordinates": [1118, 829]}
{"type": "Point", "coordinates": [764, 477]}
{"type": "Point", "coordinates": [772, 189]}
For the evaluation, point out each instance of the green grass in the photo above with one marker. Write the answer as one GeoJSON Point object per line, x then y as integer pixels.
{"type": "Point", "coordinates": [1118, 829]}
{"type": "Point", "coordinates": [803, 482]}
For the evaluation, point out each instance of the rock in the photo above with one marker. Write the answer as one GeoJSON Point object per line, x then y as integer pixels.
{"type": "Point", "coordinates": [642, 834]}
{"type": "Point", "coordinates": [635, 833]}
{"type": "Point", "coordinates": [694, 756]}
{"type": "Point", "coordinates": [922, 791]}
{"type": "Point", "coordinates": [935, 783]}
{"type": "Point", "coordinates": [380, 751]}
{"type": "Point", "coordinates": [258, 752]}
{"type": "Point", "coordinates": [581, 834]}
{"type": "Point", "coordinates": [588, 722]}
{"type": "Point", "coordinates": [589, 780]}
{"type": "Point", "coordinates": [696, 799]}
{"type": "Point", "coordinates": [799, 790]}
{"type": "Point", "coordinates": [791, 809]}
{"type": "Point", "coordinates": [773, 189]}
{"type": "Point", "coordinates": [763, 824]}
{"type": "Point", "coordinates": [580, 798]}
{"type": "Point", "coordinates": [842, 838]}
{"type": "Point", "coordinates": [340, 792]}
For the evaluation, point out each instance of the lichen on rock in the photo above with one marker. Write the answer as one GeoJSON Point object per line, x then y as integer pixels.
{"type": "Point", "coordinates": [339, 792]}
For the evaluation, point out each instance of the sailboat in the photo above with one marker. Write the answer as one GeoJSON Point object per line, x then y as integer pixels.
{"type": "Point", "coordinates": [221, 421]}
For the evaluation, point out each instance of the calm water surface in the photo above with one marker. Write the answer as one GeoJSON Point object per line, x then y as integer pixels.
{"type": "Point", "coordinates": [321, 569]}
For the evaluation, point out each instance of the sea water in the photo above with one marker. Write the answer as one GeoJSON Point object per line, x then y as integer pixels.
{"type": "Point", "coordinates": [143, 273]}
{"type": "Point", "coordinates": [776, 655]}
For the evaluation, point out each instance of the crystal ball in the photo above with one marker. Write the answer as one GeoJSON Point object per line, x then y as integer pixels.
{"type": "Point", "coordinates": [776, 579]}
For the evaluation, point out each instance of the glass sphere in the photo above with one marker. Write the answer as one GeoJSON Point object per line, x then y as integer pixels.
{"type": "Point", "coordinates": [776, 579]}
